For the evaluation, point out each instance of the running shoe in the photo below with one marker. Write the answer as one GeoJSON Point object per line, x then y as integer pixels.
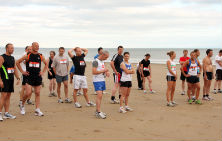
{"type": "Point", "coordinates": [144, 92]}
{"type": "Point", "coordinates": [114, 101]}
{"type": "Point", "coordinates": [29, 102]}
{"type": "Point", "coordinates": [183, 93]}
{"type": "Point", "coordinates": [194, 98]}
{"type": "Point", "coordinates": [50, 95]}
{"type": "Point", "coordinates": [8, 116]}
{"type": "Point", "coordinates": [128, 109]}
{"type": "Point", "coordinates": [198, 101]}
{"type": "Point", "coordinates": [38, 113]}
{"type": "Point", "coordinates": [152, 92]}
{"type": "Point", "coordinates": [1, 119]}
{"type": "Point", "coordinates": [54, 94]}
{"type": "Point", "coordinates": [90, 104]}
{"type": "Point", "coordinates": [209, 98]}
{"type": "Point", "coordinates": [100, 115]}
{"type": "Point", "coordinates": [22, 110]}
{"type": "Point", "coordinates": [190, 101]}
{"type": "Point", "coordinates": [77, 105]}
{"type": "Point", "coordinates": [60, 101]}
{"type": "Point", "coordinates": [205, 98]}
{"type": "Point", "coordinates": [170, 104]}
{"type": "Point", "coordinates": [122, 110]}
{"type": "Point", "coordinates": [174, 103]}
{"type": "Point", "coordinates": [214, 91]}
{"type": "Point", "coordinates": [67, 100]}
{"type": "Point", "coordinates": [80, 93]}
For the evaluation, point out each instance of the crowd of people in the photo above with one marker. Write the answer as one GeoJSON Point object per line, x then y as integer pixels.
{"type": "Point", "coordinates": [57, 66]}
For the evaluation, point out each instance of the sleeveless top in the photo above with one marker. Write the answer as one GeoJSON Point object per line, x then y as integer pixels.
{"type": "Point", "coordinates": [50, 64]}
{"type": "Point", "coordinates": [125, 76]}
{"type": "Point", "coordinates": [193, 69]}
{"type": "Point", "coordinates": [7, 69]}
{"type": "Point", "coordinates": [99, 77]}
{"type": "Point", "coordinates": [172, 67]}
{"type": "Point", "coordinates": [33, 64]}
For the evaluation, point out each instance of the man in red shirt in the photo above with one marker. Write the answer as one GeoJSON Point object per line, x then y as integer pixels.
{"type": "Point", "coordinates": [182, 77]}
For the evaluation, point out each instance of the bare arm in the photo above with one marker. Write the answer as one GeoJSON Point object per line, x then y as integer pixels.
{"type": "Point", "coordinates": [123, 67]}
{"type": "Point", "coordinates": [24, 58]}
{"type": "Point", "coordinates": [94, 69]}
{"type": "Point", "coordinates": [70, 53]}
{"type": "Point", "coordinates": [113, 67]}
{"type": "Point", "coordinates": [183, 66]}
{"type": "Point", "coordinates": [150, 69]}
{"type": "Point", "coordinates": [141, 68]}
{"type": "Point", "coordinates": [85, 51]}
{"type": "Point", "coordinates": [169, 68]}
{"type": "Point", "coordinates": [46, 65]}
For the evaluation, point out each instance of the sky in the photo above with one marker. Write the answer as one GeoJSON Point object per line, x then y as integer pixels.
{"type": "Point", "coordinates": [110, 23]}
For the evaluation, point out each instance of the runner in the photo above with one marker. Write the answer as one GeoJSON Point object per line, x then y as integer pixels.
{"type": "Point", "coordinates": [126, 82]}
{"type": "Point", "coordinates": [218, 62]}
{"type": "Point", "coordinates": [99, 73]}
{"type": "Point", "coordinates": [7, 72]}
{"type": "Point", "coordinates": [115, 65]}
{"type": "Point", "coordinates": [146, 73]}
{"type": "Point", "coordinates": [182, 77]}
{"type": "Point", "coordinates": [60, 67]}
{"type": "Point", "coordinates": [139, 77]}
{"type": "Point", "coordinates": [193, 77]}
{"type": "Point", "coordinates": [71, 74]}
{"type": "Point", "coordinates": [79, 79]}
{"type": "Point", "coordinates": [207, 74]}
{"type": "Point", "coordinates": [51, 75]}
{"type": "Point", "coordinates": [24, 78]}
{"type": "Point", "coordinates": [34, 73]}
{"type": "Point", "coordinates": [171, 79]}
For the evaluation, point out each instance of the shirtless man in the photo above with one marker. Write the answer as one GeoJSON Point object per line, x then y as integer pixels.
{"type": "Point", "coordinates": [208, 74]}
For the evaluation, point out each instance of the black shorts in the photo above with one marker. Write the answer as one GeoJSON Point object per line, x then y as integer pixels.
{"type": "Point", "coordinates": [209, 75]}
{"type": "Point", "coordinates": [170, 78]}
{"type": "Point", "coordinates": [8, 86]}
{"type": "Point", "coordinates": [51, 76]}
{"type": "Point", "coordinates": [146, 73]}
{"type": "Point", "coordinates": [127, 84]}
{"type": "Point", "coordinates": [182, 77]}
{"type": "Point", "coordinates": [193, 79]}
{"type": "Point", "coordinates": [24, 79]}
{"type": "Point", "coordinates": [218, 74]}
{"type": "Point", "coordinates": [34, 80]}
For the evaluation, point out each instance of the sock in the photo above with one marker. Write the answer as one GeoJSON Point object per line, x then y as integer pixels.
{"type": "Point", "coordinates": [207, 95]}
{"type": "Point", "coordinates": [119, 96]}
{"type": "Point", "coordinates": [151, 90]}
{"type": "Point", "coordinates": [204, 95]}
{"type": "Point", "coordinates": [112, 97]}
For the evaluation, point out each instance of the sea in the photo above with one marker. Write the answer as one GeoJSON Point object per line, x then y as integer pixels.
{"type": "Point", "coordinates": [158, 55]}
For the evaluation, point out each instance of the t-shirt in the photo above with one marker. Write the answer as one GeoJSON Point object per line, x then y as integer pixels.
{"type": "Point", "coordinates": [218, 58]}
{"type": "Point", "coordinates": [145, 64]}
{"type": "Point", "coordinates": [61, 63]}
{"type": "Point", "coordinates": [183, 59]}
{"type": "Point", "coordinates": [100, 66]}
{"type": "Point", "coordinates": [117, 59]}
{"type": "Point", "coordinates": [97, 55]}
{"type": "Point", "coordinates": [80, 64]}
{"type": "Point", "coordinates": [72, 70]}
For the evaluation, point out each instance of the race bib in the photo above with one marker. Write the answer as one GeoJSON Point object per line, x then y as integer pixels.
{"type": "Point", "coordinates": [82, 63]}
{"type": "Point", "coordinates": [173, 68]}
{"type": "Point", "coordinates": [34, 64]}
{"type": "Point", "coordinates": [103, 66]}
{"type": "Point", "coordinates": [146, 69]}
{"type": "Point", "coordinates": [63, 61]}
{"type": "Point", "coordinates": [193, 68]}
{"type": "Point", "coordinates": [10, 70]}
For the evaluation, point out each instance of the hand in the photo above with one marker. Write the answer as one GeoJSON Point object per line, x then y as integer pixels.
{"type": "Point", "coordinates": [25, 73]}
{"type": "Point", "coordinates": [187, 75]}
{"type": "Point", "coordinates": [116, 72]}
{"type": "Point", "coordinates": [1, 84]}
{"type": "Point", "coordinates": [205, 77]}
{"type": "Point", "coordinates": [18, 81]}
{"type": "Point", "coordinates": [107, 74]}
{"type": "Point", "coordinates": [106, 70]}
{"type": "Point", "coordinates": [40, 73]}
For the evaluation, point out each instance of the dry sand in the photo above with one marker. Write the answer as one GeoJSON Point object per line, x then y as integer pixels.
{"type": "Point", "coordinates": [150, 120]}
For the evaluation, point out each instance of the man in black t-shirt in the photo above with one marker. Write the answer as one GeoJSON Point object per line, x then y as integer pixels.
{"type": "Point", "coordinates": [79, 79]}
{"type": "Point", "coordinates": [115, 64]}
{"type": "Point", "coordinates": [146, 72]}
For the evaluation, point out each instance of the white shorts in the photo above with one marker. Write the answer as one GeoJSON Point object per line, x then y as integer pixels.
{"type": "Point", "coordinates": [80, 82]}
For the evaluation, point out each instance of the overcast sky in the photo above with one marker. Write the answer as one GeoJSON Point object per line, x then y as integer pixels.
{"type": "Point", "coordinates": [109, 23]}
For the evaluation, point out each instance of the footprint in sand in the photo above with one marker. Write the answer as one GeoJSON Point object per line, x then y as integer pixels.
{"type": "Point", "coordinates": [97, 131]}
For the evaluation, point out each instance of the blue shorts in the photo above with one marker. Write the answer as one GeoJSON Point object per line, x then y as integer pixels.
{"type": "Point", "coordinates": [60, 79]}
{"type": "Point", "coordinates": [99, 86]}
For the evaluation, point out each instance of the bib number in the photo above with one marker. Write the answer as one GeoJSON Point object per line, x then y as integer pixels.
{"type": "Point", "coordinates": [82, 63]}
{"type": "Point", "coordinates": [63, 61]}
{"type": "Point", "coordinates": [10, 70]}
{"type": "Point", "coordinates": [34, 65]}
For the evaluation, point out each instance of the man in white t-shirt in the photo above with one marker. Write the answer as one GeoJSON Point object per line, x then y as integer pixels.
{"type": "Point", "coordinates": [218, 62]}
{"type": "Point", "coordinates": [24, 77]}
{"type": "Point", "coordinates": [99, 73]}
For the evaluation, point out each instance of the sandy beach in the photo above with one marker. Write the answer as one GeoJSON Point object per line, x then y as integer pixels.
{"type": "Point", "coordinates": [150, 120]}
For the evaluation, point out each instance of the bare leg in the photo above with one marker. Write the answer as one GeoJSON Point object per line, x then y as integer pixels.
{"type": "Point", "coordinates": [190, 87]}
{"type": "Point", "coordinates": [28, 92]}
{"type": "Point", "coordinates": [86, 95]}
{"type": "Point", "coordinates": [169, 87]}
{"type": "Point", "coordinates": [127, 96]}
{"type": "Point", "coordinates": [197, 86]}
{"type": "Point", "coordinates": [98, 100]}
{"type": "Point", "coordinates": [150, 83]}
{"type": "Point", "coordinates": [172, 91]}
{"type": "Point", "coordinates": [2, 100]}
{"type": "Point", "coordinates": [75, 95]}
{"type": "Point", "coordinates": [123, 91]}
{"type": "Point", "coordinates": [54, 84]}
{"type": "Point", "coordinates": [37, 96]}
{"type": "Point", "coordinates": [183, 85]}
{"type": "Point", "coordinates": [50, 85]}
{"type": "Point", "coordinates": [66, 88]}
{"type": "Point", "coordinates": [58, 90]}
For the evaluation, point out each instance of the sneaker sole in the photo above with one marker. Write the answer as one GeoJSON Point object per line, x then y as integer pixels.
{"type": "Point", "coordinates": [39, 115]}
{"type": "Point", "coordinates": [8, 118]}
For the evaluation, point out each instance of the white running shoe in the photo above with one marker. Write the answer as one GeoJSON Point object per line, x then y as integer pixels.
{"type": "Point", "coordinates": [152, 92]}
{"type": "Point", "coordinates": [170, 104]}
{"type": "Point", "coordinates": [60, 101]}
{"type": "Point", "coordinates": [114, 101]}
{"type": "Point", "coordinates": [80, 93]}
{"type": "Point", "coordinates": [22, 110]}
{"type": "Point", "coordinates": [77, 105]}
{"type": "Point", "coordinates": [8, 116]}
{"type": "Point", "coordinates": [90, 104]}
{"type": "Point", "coordinates": [174, 103]}
{"type": "Point", "coordinates": [214, 91]}
{"type": "Point", "coordinates": [128, 109]}
{"type": "Point", "coordinates": [122, 110]}
{"type": "Point", "coordinates": [144, 92]}
{"type": "Point", "coordinates": [209, 98]}
{"type": "Point", "coordinates": [67, 100]}
{"type": "Point", "coordinates": [100, 115]}
{"type": "Point", "coordinates": [38, 113]}
{"type": "Point", "coordinates": [205, 98]}
{"type": "Point", "coordinates": [1, 119]}
{"type": "Point", "coordinates": [183, 93]}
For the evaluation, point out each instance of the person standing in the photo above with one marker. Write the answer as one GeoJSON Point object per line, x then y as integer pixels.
{"type": "Point", "coordinates": [34, 73]}
{"type": "Point", "coordinates": [146, 73]}
{"type": "Point", "coordinates": [126, 83]}
{"type": "Point", "coordinates": [182, 77]}
{"type": "Point", "coordinates": [99, 73]}
{"type": "Point", "coordinates": [7, 72]}
{"type": "Point", "coordinates": [139, 77]}
{"type": "Point", "coordinates": [218, 62]}
{"type": "Point", "coordinates": [171, 79]}
{"type": "Point", "coordinates": [115, 65]}
{"type": "Point", "coordinates": [51, 75]}
{"type": "Point", "coordinates": [79, 78]}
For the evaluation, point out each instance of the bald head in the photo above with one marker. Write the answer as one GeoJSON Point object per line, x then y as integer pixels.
{"type": "Point", "coordinates": [104, 55]}
{"type": "Point", "coordinates": [35, 47]}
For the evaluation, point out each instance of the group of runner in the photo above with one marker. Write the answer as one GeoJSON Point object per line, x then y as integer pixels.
{"type": "Point", "coordinates": [57, 67]}
{"type": "Point", "coordinates": [191, 70]}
